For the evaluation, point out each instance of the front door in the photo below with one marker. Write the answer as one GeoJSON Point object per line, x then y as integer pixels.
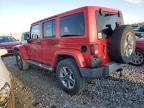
{"type": "Point", "coordinates": [35, 43]}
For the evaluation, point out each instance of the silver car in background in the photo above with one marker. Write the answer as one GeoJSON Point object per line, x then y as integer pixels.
{"type": "Point", "coordinates": [7, 99]}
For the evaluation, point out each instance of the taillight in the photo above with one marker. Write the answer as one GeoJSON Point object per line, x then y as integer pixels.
{"type": "Point", "coordinates": [94, 49]}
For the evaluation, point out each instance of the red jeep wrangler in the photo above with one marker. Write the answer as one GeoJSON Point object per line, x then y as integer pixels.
{"type": "Point", "coordinates": [89, 42]}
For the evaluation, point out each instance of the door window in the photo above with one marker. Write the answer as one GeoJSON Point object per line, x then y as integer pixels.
{"type": "Point", "coordinates": [49, 28]}
{"type": "Point", "coordinates": [35, 32]}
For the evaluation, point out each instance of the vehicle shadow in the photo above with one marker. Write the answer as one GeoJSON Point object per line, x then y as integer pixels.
{"type": "Point", "coordinates": [114, 92]}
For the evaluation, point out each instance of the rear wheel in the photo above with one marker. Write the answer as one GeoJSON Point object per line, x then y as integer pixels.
{"type": "Point", "coordinates": [68, 76]}
{"type": "Point", "coordinates": [138, 58]}
{"type": "Point", "coordinates": [22, 64]}
{"type": "Point", "coordinates": [122, 44]}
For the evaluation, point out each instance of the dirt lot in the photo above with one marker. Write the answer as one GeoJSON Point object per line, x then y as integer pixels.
{"type": "Point", "coordinates": [37, 88]}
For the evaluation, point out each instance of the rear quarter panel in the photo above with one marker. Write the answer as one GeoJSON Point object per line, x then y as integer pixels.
{"type": "Point", "coordinates": [77, 55]}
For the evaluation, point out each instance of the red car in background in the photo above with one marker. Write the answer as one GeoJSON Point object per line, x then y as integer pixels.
{"type": "Point", "coordinates": [8, 42]}
{"type": "Point", "coordinates": [138, 58]}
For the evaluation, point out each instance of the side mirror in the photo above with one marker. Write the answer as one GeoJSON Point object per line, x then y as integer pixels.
{"type": "Point", "coordinates": [3, 52]}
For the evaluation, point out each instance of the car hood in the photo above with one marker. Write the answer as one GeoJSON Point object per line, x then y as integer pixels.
{"type": "Point", "coordinates": [9, 44]}
{"type": "Point", "coordinates": [4, 74]}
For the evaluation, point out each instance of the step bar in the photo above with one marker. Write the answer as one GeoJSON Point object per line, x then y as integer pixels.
{"type": "Point", "coordinates": [40, 65]}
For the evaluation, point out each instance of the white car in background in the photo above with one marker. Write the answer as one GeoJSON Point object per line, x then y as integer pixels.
{"type": "Point", "coordinates": [24, 37]}
{"type": "Point", "coordinates": [7, 99]}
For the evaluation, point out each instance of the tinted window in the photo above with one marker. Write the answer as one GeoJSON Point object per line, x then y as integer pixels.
{"type": "Point", "coordinates": [7, 39]}
{"type": "Point", "coordinates": [35, 32]}
{"type": "Point", "coordinates": [106, 23]}
{"type": "Point", "coordinates": [49, 28]}
{"type": "Point", "coordinates": [72, 25]}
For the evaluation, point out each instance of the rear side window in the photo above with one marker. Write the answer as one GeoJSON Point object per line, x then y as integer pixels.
{"type": "Point", "coordinates": [49, 28]}
{"type": "Point", "coordinates": [35, 32]}
{"type": "Point", "coordinates": [72, 25]}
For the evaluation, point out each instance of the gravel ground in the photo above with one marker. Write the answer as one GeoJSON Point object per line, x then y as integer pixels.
{"type": "Point", "coordinates": [37, 88]}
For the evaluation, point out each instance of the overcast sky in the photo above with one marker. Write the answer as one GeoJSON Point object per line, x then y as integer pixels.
{"type": "Point", "coordinates": [17, 15]}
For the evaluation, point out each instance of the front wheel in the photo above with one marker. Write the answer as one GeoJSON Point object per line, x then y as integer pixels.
{"type": "Point", "coordinates": [68, 76]}
{"type": "Point", "coordinates": [22, 64]}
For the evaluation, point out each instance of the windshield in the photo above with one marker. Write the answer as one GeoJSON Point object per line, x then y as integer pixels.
{"type": "Point", "coordinates": [7, 39]}
{"type": "Point", "coordinates": [106, 23]}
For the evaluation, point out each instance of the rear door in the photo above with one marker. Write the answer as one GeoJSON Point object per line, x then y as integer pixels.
{"type": "Point", "coordinates": [48, 41]}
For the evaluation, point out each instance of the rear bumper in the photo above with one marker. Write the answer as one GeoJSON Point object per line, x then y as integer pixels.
{"type": "Point", "coordinates": [100, 72]}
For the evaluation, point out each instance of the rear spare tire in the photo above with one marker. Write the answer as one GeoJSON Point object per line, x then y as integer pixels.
{"type": "Point", "coordinates": [122, 44]}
